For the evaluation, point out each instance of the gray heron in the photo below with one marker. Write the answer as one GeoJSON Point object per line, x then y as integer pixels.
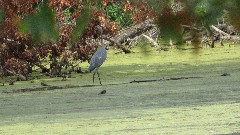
{"type": "Point", "coordinates": [98, 57]}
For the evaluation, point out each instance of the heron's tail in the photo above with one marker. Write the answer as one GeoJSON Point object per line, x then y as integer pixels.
{"type": "Point", "coordinates": [88, 71]}
{"type": "Point", "coordinates": [91, 68]}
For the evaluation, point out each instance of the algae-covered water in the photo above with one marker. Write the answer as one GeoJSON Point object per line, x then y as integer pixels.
{"type": "Point", "coordinates": [150, 92]}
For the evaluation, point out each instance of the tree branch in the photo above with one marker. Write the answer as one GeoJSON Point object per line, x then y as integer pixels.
{"type": "Point", "coordinates": [220, 31]}
{"type": "Point", "coordinates": [126, 50]}
{"type": "Point", "coordinates": [151, 40]}
{"type": "Point", "coordinates": [19, 75]}
{"type": "Point", "coordinates": [129, 33]}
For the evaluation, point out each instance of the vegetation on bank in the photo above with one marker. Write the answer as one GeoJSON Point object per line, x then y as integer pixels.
{"type": "Point", "coordinates": [64, 33]}
{"type": "Point", "coordinates": [139, 63]}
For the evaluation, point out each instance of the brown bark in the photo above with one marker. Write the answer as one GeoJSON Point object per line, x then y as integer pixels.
{"type": "Point", "coordinates": [129, 33]}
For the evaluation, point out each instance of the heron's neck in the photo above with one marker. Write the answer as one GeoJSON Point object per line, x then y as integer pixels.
{"type": "Point", "coordinates": [101, 42]}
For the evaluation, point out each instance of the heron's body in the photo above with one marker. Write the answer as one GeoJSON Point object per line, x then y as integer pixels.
{"type": "Point", "coordinates": [98, 57]}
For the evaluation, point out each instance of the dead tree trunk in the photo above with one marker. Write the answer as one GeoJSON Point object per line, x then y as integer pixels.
{"type": "Point", "coordinates": [129, 33]}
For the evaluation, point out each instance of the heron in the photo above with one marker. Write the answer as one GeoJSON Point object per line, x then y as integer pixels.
{"type": "Point", "coordinates": [98, 57]}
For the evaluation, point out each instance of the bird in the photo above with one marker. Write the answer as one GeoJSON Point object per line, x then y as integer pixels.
{"type": "Point", "coordinates": [102, 92]}
{"type": "Point", "coordinates": [44, 84]}
{"type": "Point", "coordinates": [98, 57]}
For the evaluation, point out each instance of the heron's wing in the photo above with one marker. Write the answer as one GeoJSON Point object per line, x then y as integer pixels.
{"type": "Point", "coordinates": [103, 54]}
{"type": "Point", "coordinates": [98, 58]}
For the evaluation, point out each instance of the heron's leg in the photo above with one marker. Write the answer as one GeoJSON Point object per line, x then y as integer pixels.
{"type": "Point", "coordinates": [94, 75]}
{"type": "Point", "coordinates": [99, 78]}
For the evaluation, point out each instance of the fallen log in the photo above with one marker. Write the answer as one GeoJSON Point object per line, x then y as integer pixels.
{"type": "Point", "coordinates": [220, 31]}
{"type": "Point", "coordinates": [155, 44]}
{"type": "Point", "coordinates": [129, 33]}
{"type": "Point", "coordinates": [126, 50]}
{"type": "Point", "coordinates": [167, 79]}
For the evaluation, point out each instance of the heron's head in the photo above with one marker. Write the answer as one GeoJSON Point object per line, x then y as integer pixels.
{"type": "Point", "coordinates": [100, 29]}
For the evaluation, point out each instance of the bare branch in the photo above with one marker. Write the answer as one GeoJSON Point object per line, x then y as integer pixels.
{"type": "Point", "coordinates": [220, 31]}
{"type": "Point", "coordinates": [151, 40]}
{"type": "Point", "coordinates": [126, 50]}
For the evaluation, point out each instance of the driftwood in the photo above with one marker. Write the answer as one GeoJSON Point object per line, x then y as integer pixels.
{"type": "Point", "coordinates": [233, 37]}
{"type": "Point", "coordinates": [126, 50]}
{"type": "Point", "coordinates": [131, 32]}
{"type": "Point", "coordinates": [220, 31]}
{"type": "Point", "coordinates": [125, 35]}
{"type": "Point", "coordinates": [168, 79]}
{"type": "Point", "coordinates": [212, 37]}
{"type": "Point", "coordinates": [155, 44]}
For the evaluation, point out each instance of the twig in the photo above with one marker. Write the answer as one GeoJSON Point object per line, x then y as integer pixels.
{"type": "Point", "coordinates": [151, 40]}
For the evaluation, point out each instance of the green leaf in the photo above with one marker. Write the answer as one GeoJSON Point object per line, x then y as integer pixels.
{"type": "Point", "coordinates": [41, 25]}
{"type": "Point", "coordinates": [214, 10]}
{"type": "Point", "coordinates": [81, 24]}
{"type": "Point", "coordinates": [233, 14]}
{"type": "Point", "coordinates": [2, 15]}
{"type": "Point", "coordinates": [116, 13]}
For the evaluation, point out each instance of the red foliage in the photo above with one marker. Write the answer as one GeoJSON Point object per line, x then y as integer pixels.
{"type": "Point", "coordinates": [142, 12]}
{"type": "Point", "coordinates": [19, 52]}
{"type": "Point", "coordinates": [17, 66]}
